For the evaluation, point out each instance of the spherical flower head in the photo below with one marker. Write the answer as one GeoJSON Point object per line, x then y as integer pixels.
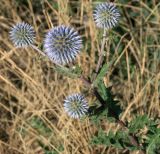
{"type": "Point", "coordinates": [76, 106]}
{"type": "Point", "coordinates": [22, 35]}
{"type": "Point", "coordinates": [106, 15]}
{"type": "Point", "coordinates": [62, 44]}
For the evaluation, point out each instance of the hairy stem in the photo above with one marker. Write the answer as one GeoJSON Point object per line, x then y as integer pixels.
{"type": "Point", "coordinates": [36, 48]}
{"type": "Point", "coordinates": [43, 54]}
{"type": "Point", "coordinates": [100, 60]}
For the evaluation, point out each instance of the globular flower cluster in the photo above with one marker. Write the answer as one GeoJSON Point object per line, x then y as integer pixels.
{"type": "Point", "coordinates": [76, 106]}
{"type": "Point", "coordinates": [62, 44]}
{"type": "Point", "coordinates": [106, 15]}
{"type": "Point", "coordinates": [22, 35]}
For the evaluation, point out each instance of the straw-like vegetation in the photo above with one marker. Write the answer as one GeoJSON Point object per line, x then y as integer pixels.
{"type": "Point", "coordinates": [32, 117]}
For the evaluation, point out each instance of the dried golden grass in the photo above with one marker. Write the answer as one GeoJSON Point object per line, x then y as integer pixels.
{"type": "Point", "coordinates": [30, 88]}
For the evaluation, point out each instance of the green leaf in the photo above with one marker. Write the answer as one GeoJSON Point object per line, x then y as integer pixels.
{"type": "Point", "coordinates": [101, 139]}
{"type": "Point", "coordinates": [153, 141]}
{"type": "Point", "coordinates": [111, 104]}
{"type": "Point", "coordinates": [103, 72]}
{"type": "Point", "coordinates": [74, 72]}
{"type": "Point", "coordinates": [138, 123]}
{"type": "Point", "coordinates": [118, 140]}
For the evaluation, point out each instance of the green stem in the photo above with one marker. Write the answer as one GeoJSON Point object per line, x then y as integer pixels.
{"type": "Point", "coordinates": [100, 60]}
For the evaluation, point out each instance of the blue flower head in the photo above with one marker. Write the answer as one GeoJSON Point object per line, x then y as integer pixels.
{"type": "Point", "coordinates": [62, 44]}
{"type": "Point", "coordinates": [76, 106]}
{"type": "Point", "coordinates": [106, 15]}
{"type": "Point", "coordinates": [22, 35]}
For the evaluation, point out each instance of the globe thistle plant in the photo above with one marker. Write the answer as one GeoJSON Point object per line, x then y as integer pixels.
{"type": "Point", "coordinates": [76, 106]}
{"type": "Point", "coordinates": [106, 15]}
{"type": "Point", "coordinates": [22, 35]}
{"type": "Point", "coordinates": [62, 44]}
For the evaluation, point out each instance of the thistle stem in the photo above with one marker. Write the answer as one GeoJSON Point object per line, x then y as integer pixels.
{"type": "Point", "coordinates": [36, 48]}
{"type": "Point", "coordinates": [43, 54]}
{"type": "Point", "coordinates": [101, 52]}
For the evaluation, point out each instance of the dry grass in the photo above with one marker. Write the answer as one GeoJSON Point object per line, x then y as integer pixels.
{"type": "Point", "coordinates": [30, 89]}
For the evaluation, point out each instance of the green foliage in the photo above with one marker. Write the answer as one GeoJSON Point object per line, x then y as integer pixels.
{"type": "Point", "coordinates": [149, 140]}
{"type": "Point", "coordinates": [114, 108]}
{"type": "Point", "coordinates": [153, 141]}
{"type": "Point", "coordinates": [138, 123]}
{"type": "Point", "coordinates": [73, 72]}
{"type": "Point", "coordinates": [54, 4]}
{"type": "Point", "coordinates": [118, 140]}
{"type": "Point", "coordinates": [40, 126]}
{"type": "Point", "coordinates": [102, 138]}
{"type": "Point", "coordinates": [100, 115]}
{"type": "Point", "coordinates": [47, 150]}
{"type": "Point", "coordinates": [109, 108]}
{"type": "Point", "coordinates": [101, 74]}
